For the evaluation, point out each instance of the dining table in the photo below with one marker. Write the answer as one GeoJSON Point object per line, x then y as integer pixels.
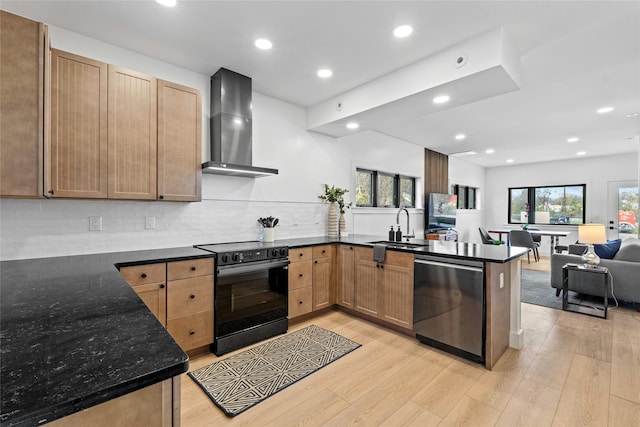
{"type": "Point", "coordinates": [554, 235]}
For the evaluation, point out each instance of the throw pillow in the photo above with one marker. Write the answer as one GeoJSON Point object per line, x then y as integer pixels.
{"type": "Point", "coordinates": [607, 250]}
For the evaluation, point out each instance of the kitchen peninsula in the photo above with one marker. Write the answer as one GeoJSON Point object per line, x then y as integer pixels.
{"type": "Point", "coordinates": [75, 334]}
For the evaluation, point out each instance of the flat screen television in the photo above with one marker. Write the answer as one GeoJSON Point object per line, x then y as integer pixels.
{"type": "Point", "coordinates": [441, 209]}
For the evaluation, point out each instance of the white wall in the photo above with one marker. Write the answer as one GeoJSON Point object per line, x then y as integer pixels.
{"type": "Point", "coordinates": [595, 172]}
{"type": "Point", "coordinates": [462, 172]}
{"type": "Point", "coordinates": [230, 205]}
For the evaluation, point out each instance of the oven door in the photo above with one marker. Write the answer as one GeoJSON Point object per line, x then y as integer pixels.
{"type": "Point", "coordinates": [250, 295]}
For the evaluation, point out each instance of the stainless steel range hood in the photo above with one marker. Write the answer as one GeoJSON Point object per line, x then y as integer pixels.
{"type": "Point", "coordinates": [231, 127]}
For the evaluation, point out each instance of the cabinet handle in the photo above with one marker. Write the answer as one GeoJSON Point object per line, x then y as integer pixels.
{"type": "Point", "coordinates": [192, 296]}
{"type": "Point", "coordinates": [161, 197]}
{"type": "Point", "coordinates": [300, 302]}
{"type": "Point", "coordinates": [315, 262]}
{"type": "Point", "coordinates": [381, 265]}
{"type": "Point", "coordinates": [143, 275]}
{"type": "Point", "coordinates": [193, 269]}
{"type": "Point", "coordinates": [323, 251]}
{"type": "Point", "coordinates": [350, 248]}
{"type": "Point", "coordinates": [300, 254]}
{"type": "Point", "coordinates": [192, 332]}
{"type": "Point", "coordinates": [50, 191]}
{"type": "Point", "coordinates": [300, 275]}
{"type": "Point", "coordinates": [162, 286]}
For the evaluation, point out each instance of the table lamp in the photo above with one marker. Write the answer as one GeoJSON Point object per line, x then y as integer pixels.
{"type": "Point", "coordinates": [591, 234]}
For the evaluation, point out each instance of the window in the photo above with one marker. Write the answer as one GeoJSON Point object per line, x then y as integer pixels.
{"type": "Point", "coordinates": [466, 196]}
{"type": "Point", "coordinates": [381, 189]}
{"type": "Point", "coordinates": [558, 204]}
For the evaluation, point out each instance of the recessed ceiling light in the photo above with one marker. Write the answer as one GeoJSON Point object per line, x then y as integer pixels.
{"type": "Point", "coordinates": [581, 153]}
{"type": "Point", "coordinates": [263, 44]}
{"type": "Point", "coordinates": [168, 3]}
{"type": "Point", "coordinates": [441, 99]}
{"type": "Point", "coordinates": [605, 110]}
{"type": "Point", "coordinates": [573, 139]}
{"type": "Point", "coordinates": [630, 115]}
{"type": "Point", "coordinates": [460, 136]}
{"type": "Point", "coordinates": [509, 160]}
{"type": "Point", "coordinates": [325, 73]}
{"type": "Point", "coordinates": [403, 31]}
{"type": "Point", "coordinates": [489, 151]}
{"type": "Point", "coordinates": [352, 125]}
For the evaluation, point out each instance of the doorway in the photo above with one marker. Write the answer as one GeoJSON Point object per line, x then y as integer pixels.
{"type": "Point", "coordinates": [623, 210]}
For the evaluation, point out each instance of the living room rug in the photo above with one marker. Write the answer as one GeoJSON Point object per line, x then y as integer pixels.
{"type": "Point", "coordinates": [241, 381]}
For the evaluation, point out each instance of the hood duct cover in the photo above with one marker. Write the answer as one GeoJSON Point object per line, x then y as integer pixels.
{"type": "Point", "coordinates": [231, 127]}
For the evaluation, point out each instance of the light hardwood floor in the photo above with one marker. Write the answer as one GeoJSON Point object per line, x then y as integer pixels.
{"type": "Point", "coordinates": [574, 370]}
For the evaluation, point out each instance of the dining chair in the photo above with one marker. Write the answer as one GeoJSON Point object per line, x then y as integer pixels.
{"type": "Point", "coordinates": [487, 239]}
{"type": "Point", "coordinates": [524, 239]}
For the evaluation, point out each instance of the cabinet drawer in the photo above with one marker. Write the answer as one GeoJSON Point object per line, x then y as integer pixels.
{"type": "Point", "coordinates": [144, 274]}
{"type": "Point", "coordinates": [300, 301]}
{"type": "Point", "coordinates": [188, 296]}
{"type": "Point", "coordinates": [192, 331]}
{"type": "Point", "coordinates": [322, 251]}
{"type": "Point", "coordinates": [300, 274]}
{"type": "Point", "coordinates": [189, 268]}
{"type": "Point", "coordinates": [300, 254]}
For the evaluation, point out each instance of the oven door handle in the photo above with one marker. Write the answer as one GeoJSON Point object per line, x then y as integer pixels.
{"type": "Point", "coordinates": [230, 270]}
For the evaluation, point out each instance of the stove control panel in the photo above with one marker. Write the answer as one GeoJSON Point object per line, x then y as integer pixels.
{"type": "Point", "coordinates": [263, 254]}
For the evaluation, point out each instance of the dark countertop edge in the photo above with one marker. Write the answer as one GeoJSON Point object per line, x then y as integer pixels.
{"type": "Point", "coordinates": [364, 241]}
{"type": "Point", "coordinates": [205, 254]}
{"type": "Point", "coordinates": [62, 410]}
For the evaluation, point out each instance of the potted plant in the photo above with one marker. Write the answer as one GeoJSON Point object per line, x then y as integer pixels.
{"type": "Point", "coordinates": [335, 196]}
{"type": "Point", "coordinates": [268, 225]}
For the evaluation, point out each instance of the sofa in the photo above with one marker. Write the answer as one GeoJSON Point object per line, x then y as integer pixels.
{"type": "Point", "coordinates": [624, 268]}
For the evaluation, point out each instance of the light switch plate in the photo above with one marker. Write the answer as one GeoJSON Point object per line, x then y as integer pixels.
{"type": "Point", "coordinates": [150, 222]}
{"type": "Point", "coordinates": [95, 223]}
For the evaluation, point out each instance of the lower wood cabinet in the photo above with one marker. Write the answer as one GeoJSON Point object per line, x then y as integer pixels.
{"type": "Point", "coordinates": [345, 276]}
{"type": "Point", "coordinates": [300, 282]}
{"type": "Point", "coordinates": [384, 289]}
{"type": "Point", "coordinates": [180, 295]}
{"type": "Point", "coordinates": [322, 276]}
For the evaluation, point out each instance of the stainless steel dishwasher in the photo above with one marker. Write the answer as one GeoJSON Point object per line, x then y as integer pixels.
{"type": "Point", "coordinates": [448, 305]}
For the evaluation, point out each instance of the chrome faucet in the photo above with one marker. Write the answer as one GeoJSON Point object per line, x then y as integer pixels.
{"type": "Point", "coordinates": [407, 235]}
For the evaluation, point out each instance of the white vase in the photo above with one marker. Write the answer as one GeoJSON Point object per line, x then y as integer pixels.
{"type": "Point", "coordinates": [342, 226]}
{"type": "Point", "coordinates": [332, 220]}
{"type": "Point", "coordinates": [268, 234]}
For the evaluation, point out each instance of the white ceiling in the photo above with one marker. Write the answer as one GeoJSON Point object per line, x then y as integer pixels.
{"type": "Point", "coordinates": [576, 56]}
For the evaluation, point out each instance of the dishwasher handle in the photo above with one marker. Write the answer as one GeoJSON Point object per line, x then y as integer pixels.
{"type": "Point", "coordinates": [449, 265]}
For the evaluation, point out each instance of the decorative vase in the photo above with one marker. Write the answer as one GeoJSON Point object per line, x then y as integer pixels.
{"type": "Point", "coordinates": [332, 221]}
{"type": "Point", "coordinates": [343, 226]}
{"type": "Point", "coordinates": [268, 234]}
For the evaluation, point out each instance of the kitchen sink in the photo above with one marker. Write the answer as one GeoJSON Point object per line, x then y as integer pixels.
{"type": "Point", "coordinates": [399, 245]}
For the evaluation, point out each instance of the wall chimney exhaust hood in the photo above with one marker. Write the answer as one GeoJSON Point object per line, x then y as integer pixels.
{"type": "Point", "coordinates": [231, 127]}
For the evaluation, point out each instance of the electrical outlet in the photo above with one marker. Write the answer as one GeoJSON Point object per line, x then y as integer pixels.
{"type": "Point", "coordinates": [150, 222]}
{"type": "Point", "coordinates": [95, 223]}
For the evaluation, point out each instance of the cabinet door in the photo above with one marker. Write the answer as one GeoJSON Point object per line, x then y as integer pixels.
{"type": "Point", "coordinates": [148, 281]}
{"type": "Point", "coordinates": [345, 276]}
{"type": "Point", "coordinates": [155, 297]}
{"type": "Point", "coordinates": [397, 296]}
{"type": "Point", "coordinates": [78, 165]}
{"type": "Point", "coordinates": [179, 142]}
{"type": "Point", "coordinates": [366, 289]}
{"type": "Point", "coordinates": [23, 45]}
{"type": "Point", "coordinates": [300, 301]}
{"type": "Point", "coordinates": [133, 135]}
{"type": "Point", "coordinates": [321, 283]}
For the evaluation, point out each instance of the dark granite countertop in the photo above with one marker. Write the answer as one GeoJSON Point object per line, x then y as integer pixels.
{"type": "Point", "coordinates": [457, 250]}
{"type": "Point", "coordinates": [74, 334]}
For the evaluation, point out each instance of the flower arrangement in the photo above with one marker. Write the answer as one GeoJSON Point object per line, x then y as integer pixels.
{"type": "Point", "coordinates": [268, 222]}
{"type": "Point", "coordinates": [335, 194]}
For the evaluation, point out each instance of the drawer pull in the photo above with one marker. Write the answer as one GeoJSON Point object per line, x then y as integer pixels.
{"type": "Point", "coordinates": [323, 251]}
{"type": "Point", "coordinates": [301, 254]}
{"type": "Point", "coordinates": [192, 296]}
{"type": "Point", "coordinates": [193, 269]}
{"type": "Point", "coordinates": [300, 275]}
{"type": "Point", "coordinates": [162, 286]}
{"type": "Point", "coordinates": [315, 262]}
{"type": "Point", "coordinates": [192, 332]}
{"type": "Point", "coordinates": [143, 275]}
{"type": "Point", "coordinates": [300, 302]}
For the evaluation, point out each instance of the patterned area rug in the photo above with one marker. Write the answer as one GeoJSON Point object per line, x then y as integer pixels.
{"type": "Point", "coordinates": [240, 381]}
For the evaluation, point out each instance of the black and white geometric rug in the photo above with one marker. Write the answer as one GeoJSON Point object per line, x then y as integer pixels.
{"type": "Point", "coordinates": [240, 381]}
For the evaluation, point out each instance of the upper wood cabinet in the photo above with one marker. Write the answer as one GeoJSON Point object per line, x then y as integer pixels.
{"type": "Point", "coordinates": [78, 163]}
{"type": "Point", "coordinates": [132, 135]}
{"type": "Point", "coordinates": [179, 142]}
{"type": "Point", "coordinates": [24, 47]}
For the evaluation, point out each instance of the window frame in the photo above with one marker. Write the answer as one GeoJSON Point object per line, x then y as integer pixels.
{"type": "Point", "coordinates": [375, 188]}
{"type": "Point", "coordinates": [531, 201]}
{"type": "Point", "coordinates": [463, 192]}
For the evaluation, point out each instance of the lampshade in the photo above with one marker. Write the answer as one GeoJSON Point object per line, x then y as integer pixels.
{"type": "Point", "coordinates": [592, 234]}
